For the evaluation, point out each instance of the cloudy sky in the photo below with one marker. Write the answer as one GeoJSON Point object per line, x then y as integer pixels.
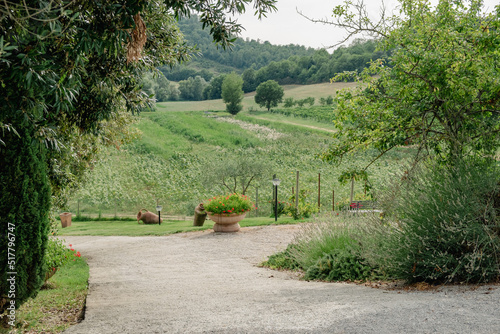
{"type": "Point", "coordinates": [287, 27]}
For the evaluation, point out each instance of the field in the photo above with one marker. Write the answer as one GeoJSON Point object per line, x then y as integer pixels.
{"type": "Point", "coordinates": [296, 91]}
{"type": "Point", "coordinates": [172, 163]}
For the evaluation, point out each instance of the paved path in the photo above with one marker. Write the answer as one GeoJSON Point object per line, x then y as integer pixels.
{"type": "Point", "coordinates": [207, 282]}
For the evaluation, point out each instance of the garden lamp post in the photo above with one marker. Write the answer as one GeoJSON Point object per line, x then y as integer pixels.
{"type": "Point", "coordinates": [158, 208]}
{"type": "Point", "coordinates": [276, 183]}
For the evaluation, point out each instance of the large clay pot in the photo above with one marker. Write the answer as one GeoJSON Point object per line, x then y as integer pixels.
{"type": "Point", "coordinates": [199, 215]}
{"type": "Point", "coordinates": [65, 219]}
{"type": "Point", "coordinates": [225, 222]}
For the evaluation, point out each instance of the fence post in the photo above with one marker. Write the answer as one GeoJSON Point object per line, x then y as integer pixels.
{"type": "Point", "coordinates": [333, 200]}
{"type": "Point", "coordinates": [256, 202]}
{"type": "Point", "coordinates": [352, 190]}
{"type": "Point", "coordinates": [297, 192]}
{"type": "Point", "coordinates": [319, 192]}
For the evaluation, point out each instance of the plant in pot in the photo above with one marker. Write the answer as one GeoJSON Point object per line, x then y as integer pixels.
{"type": "Point", "coordinates": [227, 210]}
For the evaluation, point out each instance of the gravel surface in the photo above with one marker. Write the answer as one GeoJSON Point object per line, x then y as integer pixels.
{"type": "Point", "coordinates": [206, 282]}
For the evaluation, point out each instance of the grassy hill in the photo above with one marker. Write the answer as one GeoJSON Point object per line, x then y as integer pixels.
{"type": "Point", "coordinates": [296, 91]}
{"type": "Point", "coordinates": [182, 143]}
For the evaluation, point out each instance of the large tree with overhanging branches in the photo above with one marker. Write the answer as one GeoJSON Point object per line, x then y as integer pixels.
{"type": "Point", "coordinates": [68, 70]}
{"type": "Point", "coordinates": [439, 90]}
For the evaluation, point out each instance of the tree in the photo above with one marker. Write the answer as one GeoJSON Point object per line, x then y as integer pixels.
{"type": "Point", "coordinates": [192, 88]}
{"type": "Point", "coordinates": [24, 205]}
{"type": "Point", "coordinates": [269, 94]}
{"type": "Point", "coordinates": [232, 93]}
{"type": "Point", "coordinates": [214, 89]}
{"type": "Point", "coordinates": [249, 80]}
{"type": "Point", "coordinates": [439, 90]}
{"type": "Point", "coordinates": [68, 65]}
{"type": "Point", "coordinates": [236, 174]}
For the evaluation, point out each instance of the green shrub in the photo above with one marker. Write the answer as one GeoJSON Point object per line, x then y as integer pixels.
{"type": "Point", "coordinates": [340, 266]}
{"type": "Point", "coordinates": [57, 254]}
{"type": "Point", "coordinates": [327, 249]}
{"type": "Point", "coordinates": [443, 225]}
{"type": "Point", "coordinates": [24, 216]}
{"type": "Point", "coordinates": [282, 260]}
{"type": "Point", "coordinates": [327, 234]}
{"type": "Point", "coordinates": [281, 209]}
{"type": "Point", "coordinates": [303, 210]}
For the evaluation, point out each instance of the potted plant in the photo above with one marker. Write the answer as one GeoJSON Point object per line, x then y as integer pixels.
{"type": "Point", "coordinates": [227, 210]}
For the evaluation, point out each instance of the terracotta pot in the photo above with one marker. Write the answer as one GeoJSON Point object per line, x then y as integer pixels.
{"type": "Point", "coordinates": [65, 219]}
{"type": "Point", "coordinates": [50, 273]}
{"type": "Point", "coordinates": [225, 222]}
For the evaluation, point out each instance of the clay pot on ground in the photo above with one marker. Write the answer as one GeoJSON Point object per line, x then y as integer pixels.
{"type": "Point", "coordinates": [199, 215]}
{"type": "Point", "coordinates": [65, 219]}
{"type": "Point", "coordinates": [148, 217]}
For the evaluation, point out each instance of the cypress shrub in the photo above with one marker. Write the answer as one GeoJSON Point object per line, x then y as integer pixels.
{"type": "Point", "coordinates": [24, 216]}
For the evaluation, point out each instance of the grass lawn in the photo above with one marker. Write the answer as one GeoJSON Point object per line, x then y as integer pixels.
{"type": "Point", "coordinates": [297, 121]}
{"type": "Point", "coordinates": [58, 305]}
{"type": "Point", "coordinates": [132, 228]}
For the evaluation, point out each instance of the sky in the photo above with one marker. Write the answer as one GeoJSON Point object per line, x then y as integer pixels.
{"type": "Point", "coordinates": [286, 26]}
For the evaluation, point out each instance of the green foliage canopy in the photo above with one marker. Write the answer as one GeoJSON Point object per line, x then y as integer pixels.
{"type": "Point", "coordinates": [269, 94]}
{"type": "Point", "coordinates": [441, 89]}
{"type": "Point", "coordinates": [232, 93]}
{"type": "Point", "coordinates": [24, 220]}
{"type": "Point", "coordinates": [192, 88]}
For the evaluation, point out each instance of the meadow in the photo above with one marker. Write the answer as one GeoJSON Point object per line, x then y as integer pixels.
{"type": "Point", "coordinates": [183, 142]}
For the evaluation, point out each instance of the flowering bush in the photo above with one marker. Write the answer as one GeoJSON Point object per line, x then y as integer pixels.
{"type": "Point", "coordinates": [57, 255]}
{"type": "Point", "coordinates": [228, 204]}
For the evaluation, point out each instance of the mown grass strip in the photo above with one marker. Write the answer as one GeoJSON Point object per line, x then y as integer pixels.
{"type": "Point", "coordinates": [58, 305]}
{"type": "Point", "coordinates": [128, 228]}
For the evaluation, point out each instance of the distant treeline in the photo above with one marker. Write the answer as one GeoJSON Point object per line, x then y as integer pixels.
{"type": "Point", "coordinates": [257, 62]}
{"type": "Point", "coordinates": [320, 67]}
{"type": "Point", "coordinates": [214, 60]}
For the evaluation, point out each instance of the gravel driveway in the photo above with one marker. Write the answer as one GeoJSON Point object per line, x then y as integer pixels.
{"type": "Point", "coordinates": [206, 282]}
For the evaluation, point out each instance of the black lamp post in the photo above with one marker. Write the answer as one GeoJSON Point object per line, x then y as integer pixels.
{"type": "Point", "coordinates": [276, 183]}
{"type": "Point", "coordinates": [158, 208]}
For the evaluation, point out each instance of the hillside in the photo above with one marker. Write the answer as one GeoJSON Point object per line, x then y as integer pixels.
{"type": "Point", "coordinates": [296, 91]}
{"type": "Point", "coordinates": [288, 64]}
{"type": "Point", "coordinates": [179, 149]}
{"type": "Point", "coordinates": [215, 60]}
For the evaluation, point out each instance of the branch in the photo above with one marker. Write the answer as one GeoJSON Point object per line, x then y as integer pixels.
{"type": "Point", "coordinates": [224, 183]}
{"type": "Point", "coordinates": [248, 184]}
{"type": "Point", "coordinates": [354, 23]}
{"type": "Point", "coordinates": [379, 156]}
